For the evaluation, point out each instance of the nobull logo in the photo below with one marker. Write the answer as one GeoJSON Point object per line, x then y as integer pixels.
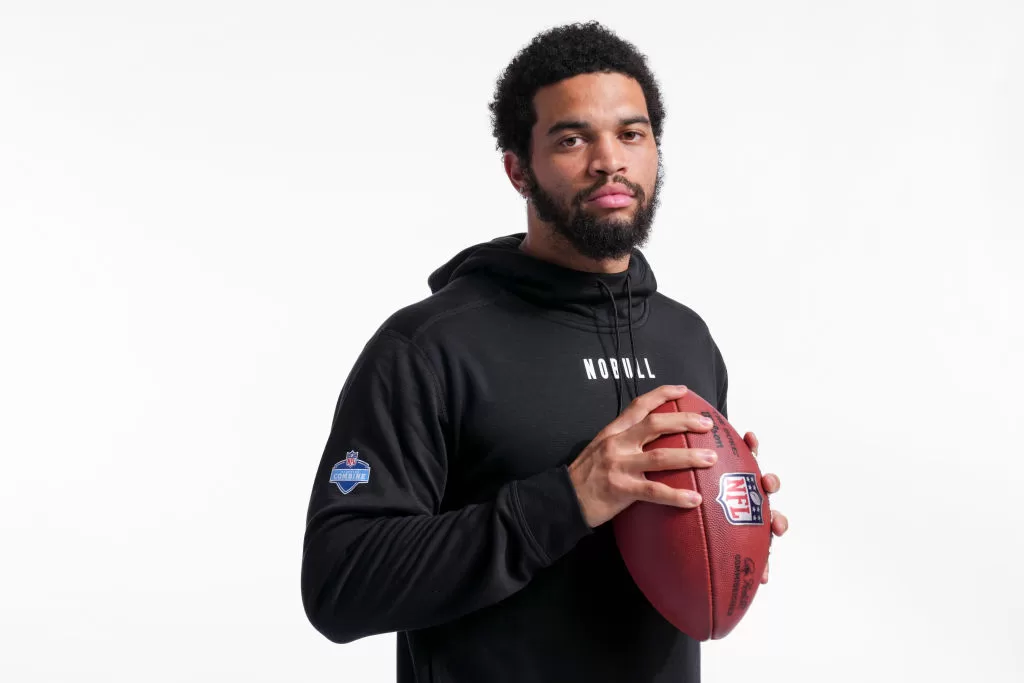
{"type": "Point", "coordinates": [612, 368]}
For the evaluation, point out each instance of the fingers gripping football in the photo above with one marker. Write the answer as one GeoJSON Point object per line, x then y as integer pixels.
{"type": "Point", "coordinates": [609, 474]}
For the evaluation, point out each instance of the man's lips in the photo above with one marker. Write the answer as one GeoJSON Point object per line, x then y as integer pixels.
{"type": "Point", "coordinates": [611, 196]}
{"type": "Point", "coordinates": [612, 201]}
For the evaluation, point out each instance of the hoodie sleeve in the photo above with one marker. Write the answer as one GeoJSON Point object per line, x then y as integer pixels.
{"type": "Point", "coordinates": [378, 556]}
{"type": "Point", "coordinates": [722, 378]}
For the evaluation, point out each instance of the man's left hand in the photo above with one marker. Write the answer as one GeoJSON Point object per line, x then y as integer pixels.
{"type": "Point", "coordinates": [771, 484]}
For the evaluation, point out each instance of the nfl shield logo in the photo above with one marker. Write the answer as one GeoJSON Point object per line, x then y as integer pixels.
{"type": "Point", "coordinates": [350, 472]}
{"type": "Point", "coordinates": [740, 499]}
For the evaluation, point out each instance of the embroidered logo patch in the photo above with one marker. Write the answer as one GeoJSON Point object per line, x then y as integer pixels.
{"type": "Point", "coordinates": [739, 498]}
{"type": "Point", "coordinates": [350, 472]}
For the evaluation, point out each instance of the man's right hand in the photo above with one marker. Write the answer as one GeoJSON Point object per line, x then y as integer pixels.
{"type": "Point", "coordinates": [609, 473]}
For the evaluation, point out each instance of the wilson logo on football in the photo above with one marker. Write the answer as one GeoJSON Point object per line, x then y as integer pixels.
{"type": "Point", "coordinates": [740, 499]}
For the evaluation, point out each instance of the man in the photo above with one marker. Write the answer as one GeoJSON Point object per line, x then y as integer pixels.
{"type": "Point", "coordinates": [487, 434]}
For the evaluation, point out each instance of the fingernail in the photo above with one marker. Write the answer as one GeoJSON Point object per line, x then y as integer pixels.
{"type": "Point", "coordinates": [695, 498]}
{"type": "Point", "coordinates": [709, 457]}
{"type": "Point", "coordinates": [681, 387]}
{"type": "Point", "coordinates": [706, 421]}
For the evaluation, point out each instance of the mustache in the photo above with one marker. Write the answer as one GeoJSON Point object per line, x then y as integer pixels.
{"type": "Point", "coordinates": [638, 191]}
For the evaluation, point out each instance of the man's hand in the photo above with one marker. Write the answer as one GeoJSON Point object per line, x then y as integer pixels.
{"type": "Point", "coordinates": [771, 484]}
{"type": "Point", "coordinates": [609, 473]}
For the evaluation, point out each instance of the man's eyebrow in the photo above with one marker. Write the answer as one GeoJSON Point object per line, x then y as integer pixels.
{"type": "Point", "coordinates": [583, 125]}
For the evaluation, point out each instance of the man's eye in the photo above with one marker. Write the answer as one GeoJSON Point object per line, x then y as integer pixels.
{"type": "Point", "coordinates": [635, 133]}
{"type": "Point", "coordinates": [573, 137]}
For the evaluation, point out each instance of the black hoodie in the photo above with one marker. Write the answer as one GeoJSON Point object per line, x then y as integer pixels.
{"type": "Point", "coordinates": [442, 508]}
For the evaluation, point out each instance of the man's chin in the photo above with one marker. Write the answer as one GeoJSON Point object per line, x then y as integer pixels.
{"type": "Point", "coordinates": [603, 240]}
{"type": "Point", "coordinates": [610, 217]}
{"type": "Point", "coordinates": [600, 211]}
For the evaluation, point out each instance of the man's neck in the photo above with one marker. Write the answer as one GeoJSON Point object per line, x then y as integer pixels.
{"type": "Point", "coordinates": [542, 243]}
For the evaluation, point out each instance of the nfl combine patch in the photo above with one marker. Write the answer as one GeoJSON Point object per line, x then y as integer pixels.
{"type": "Point", "coordinates": [350, 472]}
{"type": "Point", "coordinates": [739, 498]}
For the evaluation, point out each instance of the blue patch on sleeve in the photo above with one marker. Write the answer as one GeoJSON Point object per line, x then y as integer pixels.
{"type": "Point", "coordinates": [350, 472]}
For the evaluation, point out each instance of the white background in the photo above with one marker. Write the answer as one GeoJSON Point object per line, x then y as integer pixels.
{"type": "Point", "coordinates": [208, 207]}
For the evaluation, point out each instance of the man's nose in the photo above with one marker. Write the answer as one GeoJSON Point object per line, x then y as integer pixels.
{"type": "Point", "coordinates": [608, 156]}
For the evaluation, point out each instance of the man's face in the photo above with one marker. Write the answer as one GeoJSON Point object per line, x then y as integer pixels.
{"type": "Point", "coordinates": [592, 133]}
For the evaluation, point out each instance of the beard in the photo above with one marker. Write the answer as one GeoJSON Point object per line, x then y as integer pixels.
{"type": "Point", "coordinates": [591, 235]}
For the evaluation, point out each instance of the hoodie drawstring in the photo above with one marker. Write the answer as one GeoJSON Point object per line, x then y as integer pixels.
{"type": "Point", "coordinates": [632, 346]}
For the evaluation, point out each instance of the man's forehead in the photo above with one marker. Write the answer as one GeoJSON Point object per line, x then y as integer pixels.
{"type": "Point", "coordinates": [598, 99]}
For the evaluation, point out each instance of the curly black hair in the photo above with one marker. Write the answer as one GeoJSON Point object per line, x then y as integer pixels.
{"type": "Point", "coordinates": [554, 55]}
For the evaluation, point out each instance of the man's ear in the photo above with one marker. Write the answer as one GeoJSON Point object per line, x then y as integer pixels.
{"type": "Point", "coordinates": [515, 171]}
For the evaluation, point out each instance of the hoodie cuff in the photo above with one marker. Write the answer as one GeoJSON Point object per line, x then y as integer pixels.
{"type": "Point", "coordinates": [551, 513]}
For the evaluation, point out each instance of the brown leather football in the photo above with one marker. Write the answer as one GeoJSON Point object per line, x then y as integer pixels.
{"type": "Point", "coordinates": [701, 567]}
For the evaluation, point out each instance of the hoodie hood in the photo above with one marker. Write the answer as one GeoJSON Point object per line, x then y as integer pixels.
{"type": "Point", "coordinates": [582, 297]}
{"type": "Point", "coordinates": [601, 302]}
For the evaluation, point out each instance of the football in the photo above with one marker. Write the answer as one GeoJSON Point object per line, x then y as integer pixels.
{"type": "Point", "coordinates": [701, 567]}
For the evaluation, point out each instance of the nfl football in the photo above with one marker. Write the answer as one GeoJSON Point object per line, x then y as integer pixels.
{"type": "Point", "coordinates": [701, 567]}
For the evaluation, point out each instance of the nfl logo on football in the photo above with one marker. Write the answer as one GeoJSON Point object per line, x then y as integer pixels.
{"type": "Point", "coordinates": [740, 499]}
